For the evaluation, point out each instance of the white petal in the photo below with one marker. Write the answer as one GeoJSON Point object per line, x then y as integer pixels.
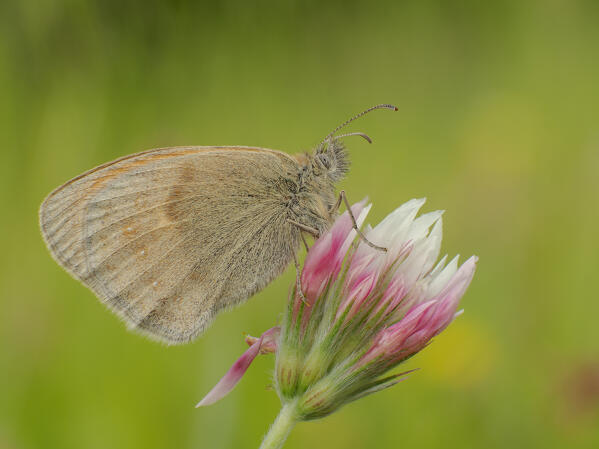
{"type": "Point", "coordinates": [411, 268]}
{"type": "Point", "coordinates": [422, 224]}
{"type": "Point", "coordinates": [435, 271]}
{"type": "Point", "coordinates": [440, 279]}
{"type": "Point", "coordinates": [434, 240]}
{"type": "Point", "coordinates": [395, 225]}
{"type": "Point", "coordinates": [363, 214]}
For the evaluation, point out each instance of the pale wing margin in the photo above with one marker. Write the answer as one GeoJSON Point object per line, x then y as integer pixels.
{"type": "Point", "coordinates": [140, 230]}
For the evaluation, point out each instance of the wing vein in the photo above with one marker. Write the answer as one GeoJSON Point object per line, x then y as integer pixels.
{"type": "Point", "coordinates": [139, 275]}
{"type": "Point", "coordinates": [66, 219]}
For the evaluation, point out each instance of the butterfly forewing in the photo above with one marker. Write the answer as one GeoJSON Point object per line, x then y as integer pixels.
{"type": "Point", "coordinates": [169, 237]}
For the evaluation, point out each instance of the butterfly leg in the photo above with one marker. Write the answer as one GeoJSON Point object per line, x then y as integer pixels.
{"type": "Point", "coordinates": [298, 282]}
{"type": "Point", "coordinates": [312, 231]}
{"type": "Point", "coordinates": [336, 206]}
{"type": "Point", "coordinates": [302, 227]}
{"type": "Point", "coordinates": [355, 224]}
{"type": "Point", "coordinates": [309, 229]}
{"type": "Point", "coordinates": [304, 241]}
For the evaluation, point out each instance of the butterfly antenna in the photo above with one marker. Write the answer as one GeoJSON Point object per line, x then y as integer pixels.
{"type": "Point", "coordinates": [366, 137]}
{"type": "Point", "coordinates": [378, 106]}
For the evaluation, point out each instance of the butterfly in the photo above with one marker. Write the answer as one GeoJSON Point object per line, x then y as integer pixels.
{"type": "Point", "coordinates": [167, 238]}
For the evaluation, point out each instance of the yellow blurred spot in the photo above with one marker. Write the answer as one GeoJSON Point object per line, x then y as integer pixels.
{"type": "Point", "coordinates": [349, 432]}
{"type": "Point", "coordinates": [462, 356]}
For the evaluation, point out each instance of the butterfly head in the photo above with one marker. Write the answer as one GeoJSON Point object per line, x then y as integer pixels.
{"type": "Point", "coordinates": [333, 158]}
{"type": "Point", "coordinates": [331, 154]}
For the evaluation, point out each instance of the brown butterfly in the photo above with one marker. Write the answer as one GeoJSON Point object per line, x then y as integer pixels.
{"type": "Point", "coordinates": [169, 237]}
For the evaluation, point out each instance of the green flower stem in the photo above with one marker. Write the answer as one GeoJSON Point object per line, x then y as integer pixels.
{"type": "Point", "coordinates": [279, 431]}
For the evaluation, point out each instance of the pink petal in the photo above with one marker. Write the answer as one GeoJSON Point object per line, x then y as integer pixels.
{"type": "Point", "coordinates": [234, 375]}
{"type": "Point", "coordinates": [270, 340]}
{"type": "Point", "coordinates": [323, 261]}
{"type": "Point", "coordinates": [357, 292]}
{"type": "Point", "coordinates": [425, 321]}
{"type": "Point", "coordinates": [391, 340]}
{"type": "Point", "coordinates": [452, 293]}
{"type": "Point", "coordinates": [265, 344]}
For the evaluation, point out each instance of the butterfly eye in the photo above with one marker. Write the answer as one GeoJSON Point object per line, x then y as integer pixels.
{"type": "Point", "coordinates": [325, 159]}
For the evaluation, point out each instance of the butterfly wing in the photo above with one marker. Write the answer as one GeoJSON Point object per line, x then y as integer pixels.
{"type": "Point", "coordinates": [169, 237]}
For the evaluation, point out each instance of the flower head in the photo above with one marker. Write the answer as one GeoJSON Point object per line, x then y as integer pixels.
{"type": "Point", "coordinates": [363, 311]}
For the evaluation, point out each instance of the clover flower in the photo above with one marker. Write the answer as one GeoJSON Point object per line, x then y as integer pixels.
{"type": "Point", "coordinates": [362, 312]}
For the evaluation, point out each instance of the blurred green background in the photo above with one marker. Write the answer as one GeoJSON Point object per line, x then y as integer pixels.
{"type": "Point", "coordinates": [498, 124]}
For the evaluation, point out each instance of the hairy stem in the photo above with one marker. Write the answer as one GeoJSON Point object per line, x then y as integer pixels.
{"type": "Point", "coordinates": [279, 431]}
